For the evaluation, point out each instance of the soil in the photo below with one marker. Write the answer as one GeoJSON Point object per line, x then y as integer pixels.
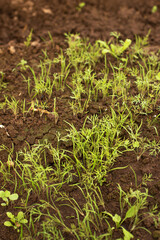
{"type": "Point", "coordinates": [57, 17]}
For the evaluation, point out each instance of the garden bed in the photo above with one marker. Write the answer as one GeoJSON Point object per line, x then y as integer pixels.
{"type": "Point", "coordinates": [79, 119]}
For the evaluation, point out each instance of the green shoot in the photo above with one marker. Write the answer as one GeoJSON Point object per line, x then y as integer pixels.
{"type": "Point", "coordinates": [16, 222]}
{"type": "Point", "coordinates": [29, 39]}
{"type": "Point", "coordinates": [7, 196]}
{"type": "Point", "coordinates": [80, 6]}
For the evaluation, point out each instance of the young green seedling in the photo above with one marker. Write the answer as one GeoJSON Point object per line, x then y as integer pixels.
{"type": "Point", "coordinates": [80, 6]}
{"type": "Point", "coordinates": [7, 196]}
{"type": "Point", "coordinates": [22, 65]}
{"type": "Point", "coordinates": [118, 221]}
{"type": "Point", "coordinates": [29, 38]}
{"type": "Point", "coordinates": [154, 9]}
{"type": "Point", "coordinates": [15, 221]}
{"type": "Point", "coordinates": [12, 104]}
{"type": "Point", "coordinates": [114, 49]}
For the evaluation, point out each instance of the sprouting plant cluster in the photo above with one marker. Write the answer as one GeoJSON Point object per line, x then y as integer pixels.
{"type": "Point", "coordinates": [125, 77]}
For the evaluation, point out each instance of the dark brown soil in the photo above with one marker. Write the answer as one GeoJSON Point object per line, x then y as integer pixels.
{"type": "Point", "coordinates": [97, 19]}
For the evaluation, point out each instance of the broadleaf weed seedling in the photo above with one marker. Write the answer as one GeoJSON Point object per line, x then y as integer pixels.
{"type": "Point", "coordinates": [16, 222]}
{"type": "Point", "coordinates": [136, 202]}
{"type": "Point", "coordinates": [114, 49]}
{"type": "Point", "coordinates": [119, 221]}
{"type": "Point", "coordinates": [7, 196]}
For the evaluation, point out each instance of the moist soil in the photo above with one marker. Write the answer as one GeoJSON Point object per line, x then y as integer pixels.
{"type": "Point", "coordinates": [95, 21]}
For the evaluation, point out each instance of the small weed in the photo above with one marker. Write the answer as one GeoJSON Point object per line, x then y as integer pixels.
{"type": "Point", "coordinates": [80, 6]}
{"type": "Point", "coordinates": [16, 222]}
{"type": "Point", "coordinates": [7, 196]}
{"type": "Point", "coordinates": [135, 201]}
{"type": "Point", "coordinates": [29, 39]}
{"type": "Point", "coordinates": [114, 49]}
{"type": "Point", "coordinates": [154, 9]}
